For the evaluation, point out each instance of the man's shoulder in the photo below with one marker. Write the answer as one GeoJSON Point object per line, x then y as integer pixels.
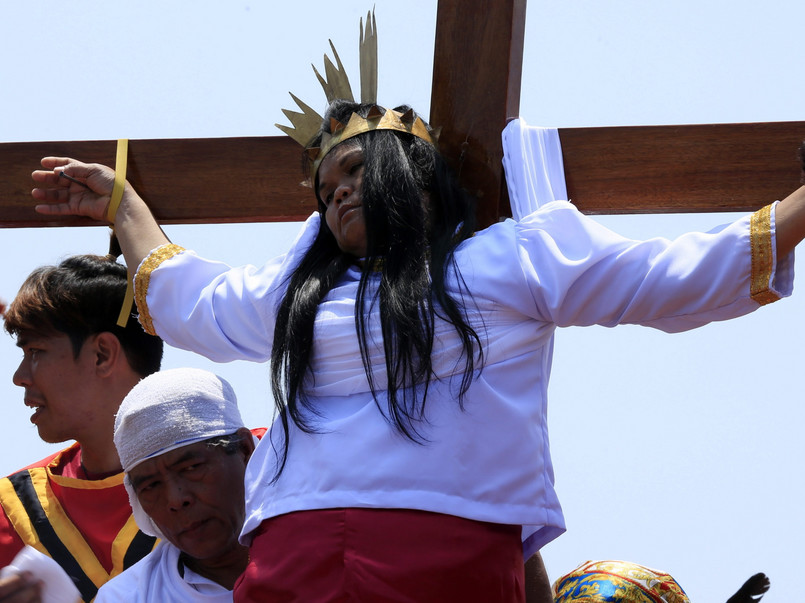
{"type": "Point", "coordinates": [133, 583]}
{"type": "Point", "coordinates": [10, 540]}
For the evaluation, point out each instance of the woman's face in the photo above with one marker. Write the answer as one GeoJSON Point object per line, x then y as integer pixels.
{"type": "Point", "coordinates": [340, 180]}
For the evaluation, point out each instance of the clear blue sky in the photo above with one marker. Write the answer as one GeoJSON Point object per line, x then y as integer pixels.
{"type": "Point", "coordinates": [680, 452]}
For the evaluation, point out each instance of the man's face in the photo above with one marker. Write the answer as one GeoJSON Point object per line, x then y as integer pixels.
{"type": "Point", "coordinates": [194, 494]}
{"type": "Point", "coordinates": [340, 182]}
{"type": "Point", "coordinates": [58, 386]}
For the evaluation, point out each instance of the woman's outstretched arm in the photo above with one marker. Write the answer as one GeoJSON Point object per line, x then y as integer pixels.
{"type": "Point", "coordinates": [85, 189]}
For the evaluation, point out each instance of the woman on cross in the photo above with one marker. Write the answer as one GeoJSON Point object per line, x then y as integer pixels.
{"type": "Point", "coordinates": [410, 355]}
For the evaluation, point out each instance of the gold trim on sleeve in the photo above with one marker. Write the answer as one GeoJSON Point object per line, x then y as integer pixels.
{"type": "Point", "coordinates": [762, 256]}
{"type": "Point", "coordinates": [143, 278]}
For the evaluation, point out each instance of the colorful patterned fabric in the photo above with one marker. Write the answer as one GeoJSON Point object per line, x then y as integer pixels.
{"type": "Point", "coordinates": [85, 525]}
{"type": "Point", "coordinates": [617, 582]}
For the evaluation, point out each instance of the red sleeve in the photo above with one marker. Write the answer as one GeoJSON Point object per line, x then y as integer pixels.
{"type": "Point", "coordinates": [10, 542]}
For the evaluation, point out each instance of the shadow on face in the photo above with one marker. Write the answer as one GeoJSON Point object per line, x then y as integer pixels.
{"type": "Point", "coordinates": [195, 494]}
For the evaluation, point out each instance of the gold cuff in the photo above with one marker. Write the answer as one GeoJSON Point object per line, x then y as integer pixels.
{"type": "Point", "coordinates": [762, 256]}
{"type": "Point", "coordinates": [143, 278]}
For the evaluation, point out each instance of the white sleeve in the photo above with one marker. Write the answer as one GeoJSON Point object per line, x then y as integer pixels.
{"type": "Point", "coordinates": [212, 309]}
{"type": "Point", "coordinates": [535, 172]}
{"type": "Point", "coordinates": [574, 271]}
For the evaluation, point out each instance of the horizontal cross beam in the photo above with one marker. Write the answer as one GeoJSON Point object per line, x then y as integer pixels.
{"type": "Point", "coordinates": [184, 181]}
{"type": "Point", "coordinates": [672, 169]}
{"type": "Point", "coordinates": [638, 169]}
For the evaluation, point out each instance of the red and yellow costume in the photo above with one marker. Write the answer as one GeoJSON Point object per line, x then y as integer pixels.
{"type": "Point", "coordinates": [84, 524]}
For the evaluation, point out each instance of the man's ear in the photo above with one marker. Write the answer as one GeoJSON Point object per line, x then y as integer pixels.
{"type": "Point", "coordinates": [107, 352]}
{"type": "Point", "coordinates": [246, 443]}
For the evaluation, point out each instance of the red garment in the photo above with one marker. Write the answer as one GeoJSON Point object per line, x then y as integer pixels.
{"type": "Point", "coordinates": [89, 519]}
{"type": "Point", "coordinates": [382, 555]}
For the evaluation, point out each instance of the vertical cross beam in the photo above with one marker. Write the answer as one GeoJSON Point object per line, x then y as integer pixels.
{"type": "Point", "coordinates": [478, 60]}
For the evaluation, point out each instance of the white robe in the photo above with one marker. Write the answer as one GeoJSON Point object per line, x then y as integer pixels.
{"type": "Point", "coordinates": [156, 578]}
{"type": "Point", "coordinates": [490, 462]}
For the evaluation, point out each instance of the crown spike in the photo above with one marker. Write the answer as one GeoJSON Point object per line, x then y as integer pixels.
{"type": "Point", "coordinates": [325, 86]}
{"type": "Point", "coordinates": [304, 106]}
{"type": "Point", "coordinates": [408, 117]}
{"type": "Point", "coordinates": [420, 130]}
{"type": "Point", "coordinates": [305, 124]}
{"type": "Point", "coordinates": [375, 112]}
{"type": "Point", "coordinates": [368, 58]}
{"type": "Point", "coordinates": [356, 125]}
{"type": "Point", "coordinates": [336, 82]}
{"type": "Point", "coordinates": [335, 126]}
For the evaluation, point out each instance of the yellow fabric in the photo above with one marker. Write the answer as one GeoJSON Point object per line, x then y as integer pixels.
{"type": "Point", "coordinates": [85, 484]}
{"type": "Point", "coordinates": [125, 309]}
{"type": "Point", "coordinates": [762, 256]}
{"type": "Point", "coordinates": [121, 162]}
{"type": "Point", "coordinates": [18, 516]}
{"type": "Point", "coordinates": [64, 528]}
{"type": "Point", "coordinates": [121, 544]}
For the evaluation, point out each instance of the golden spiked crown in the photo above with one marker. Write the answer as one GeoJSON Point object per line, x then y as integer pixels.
{"type": "Point", "coordinates": [336, 86]}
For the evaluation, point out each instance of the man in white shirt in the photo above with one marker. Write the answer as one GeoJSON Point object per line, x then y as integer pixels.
{"type": "Point", "coordinates": [183, 448]}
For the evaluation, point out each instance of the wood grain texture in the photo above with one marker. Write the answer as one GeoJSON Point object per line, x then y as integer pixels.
{"type": "Point", "coordinates": [205, 180]}
{"type": "Point", "coordinates": [476, 90]}
{"type": "Point", "coordinates": [694, 168]}
{"type": "Point", "coordinates": [637, 169]}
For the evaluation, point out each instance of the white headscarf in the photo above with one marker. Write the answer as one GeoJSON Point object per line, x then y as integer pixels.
{"type": "Point", "coordinates": [168, 410]}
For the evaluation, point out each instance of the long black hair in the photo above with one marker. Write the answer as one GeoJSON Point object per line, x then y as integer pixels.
{"type": "Point", "coordinates": [416, 215]}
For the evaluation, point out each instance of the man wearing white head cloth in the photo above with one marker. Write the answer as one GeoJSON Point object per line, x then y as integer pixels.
{"type": "Point", "coordinates": [184, 449]}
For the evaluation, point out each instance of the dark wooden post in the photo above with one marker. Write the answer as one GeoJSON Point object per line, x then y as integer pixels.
{"type": "Point", "coordinates": [478, 61]}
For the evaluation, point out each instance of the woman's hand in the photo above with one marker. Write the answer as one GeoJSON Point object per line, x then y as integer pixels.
{"type": "Point", "coordinates": [85, 189]}
{"type": "Point", "coordinates": [70, 188]}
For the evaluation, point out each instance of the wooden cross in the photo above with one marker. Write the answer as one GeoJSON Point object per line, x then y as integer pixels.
{"type": "Point", "coordinates": [476, 89]}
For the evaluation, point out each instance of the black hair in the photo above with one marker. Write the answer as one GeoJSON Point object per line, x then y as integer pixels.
{"type": "Point", "coordinates": [80, 297]}
{"type": "Point", "coordinates": [416, 215]}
